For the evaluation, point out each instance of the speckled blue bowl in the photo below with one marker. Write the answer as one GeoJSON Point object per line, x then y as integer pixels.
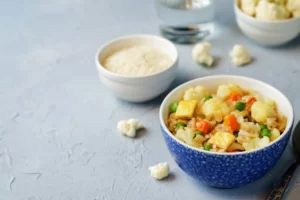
{"type": "Point", "coordinates": [227, 170]}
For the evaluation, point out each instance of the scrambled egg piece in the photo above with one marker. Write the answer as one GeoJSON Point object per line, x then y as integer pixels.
{"type": "Point", "coordinates": [196, 93]}
{"type": "Point", "coordinates": [222, 139]}
{"type": "Point", "coordinates": [186, 109]}
{"type": "Point", "coordinates": [201, 54]}
{"type": "Point", "coordinates": [159, 171]}
{"type": "Point", "coordinates": [240, 55]}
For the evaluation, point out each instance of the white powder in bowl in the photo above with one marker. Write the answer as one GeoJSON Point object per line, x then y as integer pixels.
{"type": "Point", "coordinates": [141, 60]}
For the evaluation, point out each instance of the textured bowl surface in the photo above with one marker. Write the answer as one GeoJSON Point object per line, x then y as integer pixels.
{"type": "Point", "coordinates": [227, 170]}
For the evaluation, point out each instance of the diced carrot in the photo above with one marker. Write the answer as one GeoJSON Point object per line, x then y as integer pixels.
{"type": "Point", "coordinates": [202, 125]}
{"type": "Point", "coordinates": [231, 121]}
{"type": "Point", "coordinates": [235, 97]}
{"type": "Point", "coordinates": [250, 102]}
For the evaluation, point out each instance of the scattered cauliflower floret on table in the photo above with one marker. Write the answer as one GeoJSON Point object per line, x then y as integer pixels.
{"type": "Point", "coordinates": [240, 55]}
{"type": "Point", "coordinates": [261, 111]}
{"type": "Point", "coordinates": [256, 143]}
{"type": "Point", "coordinates": [222, 139]}
{"type": "Point", "coordinates": [225, 90]}
{"type": "Point", "coordinates": [196, 93]}
{"type": "Point", "coordinates": [201, 54]}
{"type": "Point", "coordinates": [129, 127]}
{"type": "Point", "coordinates": [186, 109]}
{"type": "Point", "coordinates": [215, 109]}
{"type": "Point", "coordinates": [159, 171]}
{"type": "Point", "coordinates": [248, 6]}
{"type": "Point", "coordinates": [271, 11]}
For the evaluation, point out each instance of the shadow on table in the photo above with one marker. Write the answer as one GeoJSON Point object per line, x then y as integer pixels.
{"type": "Point", "coordinates": [292, 44]}
{"type": "Point", "coordinates": [257, 190]}
{"type": "Point", "coordinates": [180, 79]}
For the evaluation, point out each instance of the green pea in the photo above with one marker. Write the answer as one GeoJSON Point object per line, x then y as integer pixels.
{"type": "Point", "coordinates": [266, 132]}
{"type": "Point", "coordinates": [262, 127]}
{"type": "Point", "coordinates": [240, 106]}
{"type": "Point", "coordinates": [173, 107]}
{"type": "Point", "coordinates": [198, 133]}
{"type": "Point", "coordinates": [208, 98]}
{"type": "Point", "coordinates": [180, 124]}
{"type": "Point", "coordinates": [207, 147]}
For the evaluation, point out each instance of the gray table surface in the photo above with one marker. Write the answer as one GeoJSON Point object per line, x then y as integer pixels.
{"type": "Point", "coordinates": [58, 137]}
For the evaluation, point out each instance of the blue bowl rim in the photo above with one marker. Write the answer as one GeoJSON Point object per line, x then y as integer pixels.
{"type": "Point", "coordinates": [163, 125]}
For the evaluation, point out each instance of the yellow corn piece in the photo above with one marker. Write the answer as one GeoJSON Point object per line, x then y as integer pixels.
{"type": "Point", "coordinates": [186, 109]}
{"type": "Point", "coordinates": [222, 139]}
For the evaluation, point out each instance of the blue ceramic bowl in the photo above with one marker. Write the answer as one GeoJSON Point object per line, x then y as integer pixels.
{"type": "Point", "coordinates": [227, 170]}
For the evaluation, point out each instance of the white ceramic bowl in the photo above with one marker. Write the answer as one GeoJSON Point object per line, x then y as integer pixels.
{"type": "Point", "coordinates": [137, 89]}
{"type": "Point", "coordinates": [267, 33]}
{"type": "Point", "coordinates": [226, 170]}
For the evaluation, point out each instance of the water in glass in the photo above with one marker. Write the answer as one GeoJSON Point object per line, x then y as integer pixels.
{"type": "Point", "coordinates": [186, 21]}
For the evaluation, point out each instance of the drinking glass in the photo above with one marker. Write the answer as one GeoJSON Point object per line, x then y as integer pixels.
{"type": "Point", "coordinates": [186, 21]}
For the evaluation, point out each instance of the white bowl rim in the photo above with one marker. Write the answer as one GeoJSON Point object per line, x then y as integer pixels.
{"type": "Point", "coordinates": [162, 122]}
{"type": "Point", "coordinates": [262, 20]}
{"type": "Point", "coordinates": [155, 37]}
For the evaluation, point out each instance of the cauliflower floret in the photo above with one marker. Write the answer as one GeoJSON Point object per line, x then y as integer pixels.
{"type": "Point", "coordinates": [256, 143]}
{"type": "Point", "coordinates": [201, 54]}
{"type": "Point", "coordinates": [240, 55]}
{"type": "Point", "coordinates": [224, 91]}
{"type": "Point", "coordinates": [187, 135]}
{"type": "Point", "coordinates": [271, 11]}
{"type": "Point", "coordinates": [248, 6]}
{"type": "Point", "coordinates": [159, 171]}
{"type": "Point", "coordinates": [293, 5]}
{"type": "Point", "coordinates": [296, 13]}
{"type": "Point", "coordinates": [129, 127]}
{"type": "Point", "coordinates": [279, 2]}
{"type": "Point", "coordinates": [196, 93]}
{"type": "Point", "coordinates": [274, 134]}
{"type": "Point", "coordinates": [261, 111]}
{"type": "Point", "coordinates": [215, 109]}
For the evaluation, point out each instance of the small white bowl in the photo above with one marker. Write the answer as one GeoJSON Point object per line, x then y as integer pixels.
{"type": "Point", "coordinates": [143, 88]}
{"type": "Point", "coordinates": [267, 33]}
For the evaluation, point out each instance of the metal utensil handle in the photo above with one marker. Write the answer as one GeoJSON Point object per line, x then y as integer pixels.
{"type": "Point", "coordinates": [280, 187]}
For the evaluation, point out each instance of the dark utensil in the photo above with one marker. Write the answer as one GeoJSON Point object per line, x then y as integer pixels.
{"type": "Point", "coordinates": [280, 187]}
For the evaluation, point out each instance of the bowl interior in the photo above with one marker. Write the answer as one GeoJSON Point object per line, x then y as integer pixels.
{"type": "Point", "coordinates": [133, 40]}
{"type": "Point", "coordinates": [212, 82]}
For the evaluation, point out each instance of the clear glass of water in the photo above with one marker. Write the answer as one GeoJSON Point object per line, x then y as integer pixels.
{"type": "Point", "coordinates": [186, 21]}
